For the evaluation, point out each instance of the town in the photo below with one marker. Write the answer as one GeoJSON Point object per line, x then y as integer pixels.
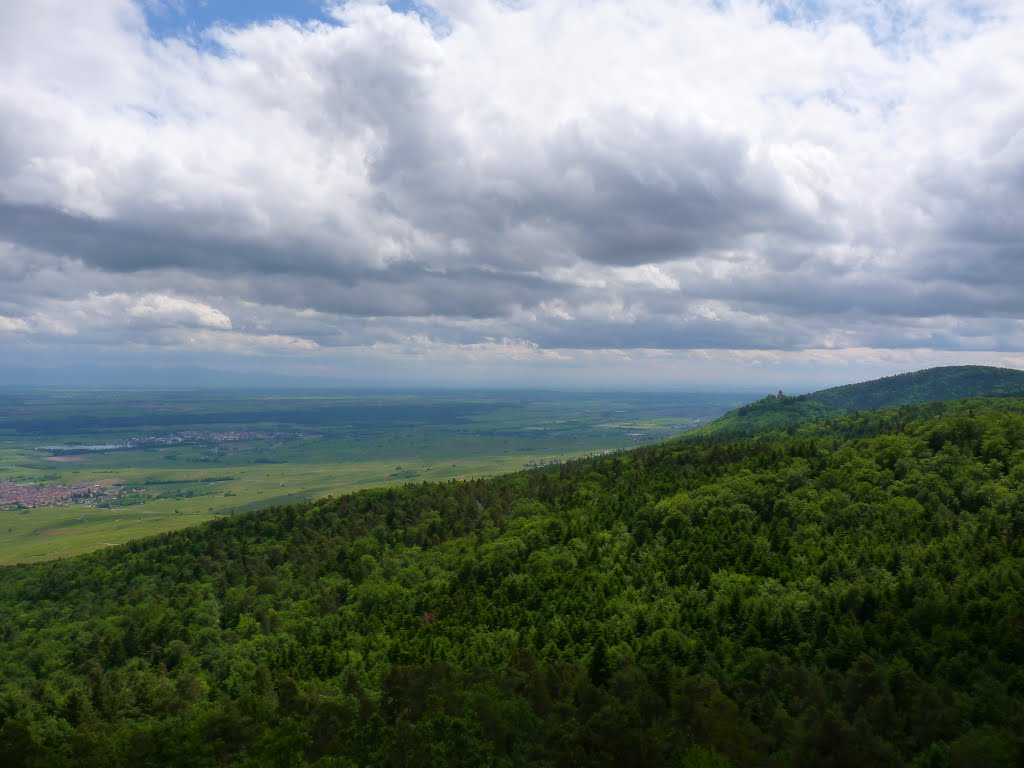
{"type": "Point", "coordinates": [17, 496]}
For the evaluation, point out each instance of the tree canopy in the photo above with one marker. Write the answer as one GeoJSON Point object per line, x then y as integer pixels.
{"type": "Point", "coordinates": [775, 413]}
{"type": "Point", "coordinates": [841, 593]}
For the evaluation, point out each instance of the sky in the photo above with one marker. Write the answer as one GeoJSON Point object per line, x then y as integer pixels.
{"type": "Point", "coordinates": [569, 193]}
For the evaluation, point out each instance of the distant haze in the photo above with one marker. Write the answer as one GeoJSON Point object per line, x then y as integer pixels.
{"type": "Point", "coordinates": [647, 195]}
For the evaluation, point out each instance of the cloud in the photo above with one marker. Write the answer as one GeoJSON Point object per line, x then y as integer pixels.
{"type": "Point", "coordinates": [241, 343]}
{"type": "Point", "coordinates": [672, 174]}
{"type": "Point", "coordinates": [169, 310]}
{"type": "Point", "coordinates": [97, 313]}
{"type": "Point", "coordinates": [12, 324]}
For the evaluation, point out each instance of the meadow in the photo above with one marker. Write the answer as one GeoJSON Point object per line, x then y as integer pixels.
{"type": "Point", "coordinates": [184, 457]}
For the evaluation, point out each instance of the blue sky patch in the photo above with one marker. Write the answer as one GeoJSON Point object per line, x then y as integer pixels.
{"type": "Point", "coordinates": [186, 18]}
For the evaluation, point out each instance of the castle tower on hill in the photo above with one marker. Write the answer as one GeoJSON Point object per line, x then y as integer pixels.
{"type": "Point", "coordinates": [780, 395]}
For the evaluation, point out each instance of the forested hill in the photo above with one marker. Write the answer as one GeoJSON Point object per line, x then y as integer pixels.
{"type": "Point", "coordinates": [761, 417]}
{"type": "Point", "coordinates": [946, 383]}
{"type": "Point", "coordinates": [849, 595]}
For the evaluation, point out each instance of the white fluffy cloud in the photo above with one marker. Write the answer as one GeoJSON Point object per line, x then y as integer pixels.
{"type": "Point", "coordinates": [12, 324]}
{"type": "Point", "coordinates": [163, 310]}
{"type": "Point", "coordinates": [573, 175]}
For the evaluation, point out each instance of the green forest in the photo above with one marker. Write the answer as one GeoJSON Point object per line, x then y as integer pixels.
{"type": "Point", "coordinates": [846, 592]}
{"type": "Point", "coordinates": [780, 412]}
{"type": "Point", "coordinates": [947, 383]}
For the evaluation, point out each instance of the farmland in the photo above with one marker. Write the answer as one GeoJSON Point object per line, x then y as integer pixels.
{"type": "Point", "coordinates": [82, 470]}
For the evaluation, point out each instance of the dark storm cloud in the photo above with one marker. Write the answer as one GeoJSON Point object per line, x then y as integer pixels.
{"type": "Point", "coordinates": [323, 283]}
{"type": "Point", "coordinates": [915, 295]}
{"type": "Point", "coordinates": [655, 192]}
{"type": "Point", "coordinates": [128, 246]}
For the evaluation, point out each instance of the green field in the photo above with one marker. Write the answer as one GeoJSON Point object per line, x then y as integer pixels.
{"type": "Point", "coordinates": [299, 445]}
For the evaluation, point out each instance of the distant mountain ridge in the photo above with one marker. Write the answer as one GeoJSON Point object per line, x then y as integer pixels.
{"type": "Point", "coordinates": [931, 384]}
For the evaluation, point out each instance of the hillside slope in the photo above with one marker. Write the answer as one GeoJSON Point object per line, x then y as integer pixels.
{"type": "Point", "coordinates": [851, 595]}
{"type": "Point", "coordinates": [932, 384]}
{"type": "Point", "coordinates": [946, 383]}
{"type": "Point", "coordinates": [770, 414]}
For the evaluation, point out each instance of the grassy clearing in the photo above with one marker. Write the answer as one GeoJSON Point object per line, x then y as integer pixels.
{"type": "Point", "coordinates": [45, 533]}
